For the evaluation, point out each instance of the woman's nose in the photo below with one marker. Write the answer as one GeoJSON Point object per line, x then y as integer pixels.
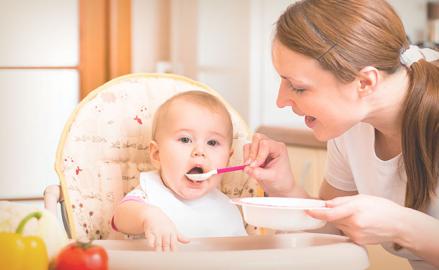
{"type": "Point", "coordinates": [282, 98]}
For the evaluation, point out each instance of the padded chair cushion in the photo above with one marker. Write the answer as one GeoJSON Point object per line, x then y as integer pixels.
{"type": "Point", "coordinates": [105, 142]}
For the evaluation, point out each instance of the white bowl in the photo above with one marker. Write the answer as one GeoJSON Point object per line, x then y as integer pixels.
{"type": "Point", "coordinates": [284, 214]}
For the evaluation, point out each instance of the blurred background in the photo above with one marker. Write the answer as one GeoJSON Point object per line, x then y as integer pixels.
{"type": "Point", "coordinates": [54, 52]}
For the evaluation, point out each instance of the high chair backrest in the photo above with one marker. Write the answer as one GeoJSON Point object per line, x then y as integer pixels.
{"type": "Point", "coordinates": [104, 147]}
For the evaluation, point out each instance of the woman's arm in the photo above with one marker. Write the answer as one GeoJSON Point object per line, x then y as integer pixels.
{"type": "Point", "coordinates": [419, 233]}
{"type": "Point", "coordinates": [328, 192]}
{"type": "Point", "coordinates": [374, 220]}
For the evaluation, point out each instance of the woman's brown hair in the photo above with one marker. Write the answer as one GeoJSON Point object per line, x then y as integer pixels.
{"type": "Point", "coordinates": [348, 35]}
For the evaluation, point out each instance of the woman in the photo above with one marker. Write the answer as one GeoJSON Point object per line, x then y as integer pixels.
{"type": "Point", "coordinates": [347, 67]}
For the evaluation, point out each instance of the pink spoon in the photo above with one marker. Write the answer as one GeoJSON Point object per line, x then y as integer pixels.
{"type": "Point", "coordinates": [205, 176]}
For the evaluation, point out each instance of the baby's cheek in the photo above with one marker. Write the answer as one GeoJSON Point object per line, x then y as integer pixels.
{"type": "Point", "coordinates": [218, 158]}
{"type": "Point", "coordinates": [215, 181]}
{"type": "Point", "coordinates": [222, 164]}
{"type": "Point", "coordinates": [225, 156]}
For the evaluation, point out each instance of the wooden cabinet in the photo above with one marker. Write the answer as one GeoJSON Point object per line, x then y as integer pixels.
{"type": "Point", "coordinates": [308, 167]}
{"type": "Point", "coordinates": [380, 259]}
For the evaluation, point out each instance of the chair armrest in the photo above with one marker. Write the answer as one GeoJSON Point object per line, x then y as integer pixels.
{"type": "Point", "coordinates": [52, 196]}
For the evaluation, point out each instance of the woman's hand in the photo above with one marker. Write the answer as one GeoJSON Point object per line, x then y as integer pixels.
{"type": "Point", "coordinates": [269, 164]}
{"type": "Point", "coordinates": [160, 232]}
{"type": "Point", "coordinates": [364, 219]}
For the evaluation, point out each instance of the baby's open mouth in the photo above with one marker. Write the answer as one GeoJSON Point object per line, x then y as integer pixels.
{"type": "Point", "coordinates": [195, 170]}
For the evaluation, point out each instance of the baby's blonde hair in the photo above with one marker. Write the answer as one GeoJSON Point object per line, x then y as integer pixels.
{"type": "Point", "coordinates": [200, 98]}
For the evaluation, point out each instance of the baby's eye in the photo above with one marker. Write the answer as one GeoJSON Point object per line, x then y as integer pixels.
{"type": "Point", "coordinates": [185, 140]}
{"type": "Point", "coordinates": [213, 142]}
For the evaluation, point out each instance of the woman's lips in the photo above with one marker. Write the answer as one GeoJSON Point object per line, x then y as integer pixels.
{"type": "Point", "coordinates": [310, 121]}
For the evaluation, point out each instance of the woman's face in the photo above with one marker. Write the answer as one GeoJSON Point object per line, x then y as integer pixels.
{"type": "Point", "coordinates": [329, 107]}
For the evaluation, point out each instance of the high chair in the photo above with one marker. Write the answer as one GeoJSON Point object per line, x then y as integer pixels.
{"type": "Point", "coordinates": [104, 147]}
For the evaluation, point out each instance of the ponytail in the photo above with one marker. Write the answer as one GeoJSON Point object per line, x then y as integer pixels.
{"type": "Point", "coordinates": [420, 135]}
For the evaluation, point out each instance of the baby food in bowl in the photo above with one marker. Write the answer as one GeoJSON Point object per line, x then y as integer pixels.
{"type": "Point", "coordinates": [284, 214]}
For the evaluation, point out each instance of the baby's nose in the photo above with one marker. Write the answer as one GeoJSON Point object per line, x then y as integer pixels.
{"type": "Point", "coordinates": [198, 152]}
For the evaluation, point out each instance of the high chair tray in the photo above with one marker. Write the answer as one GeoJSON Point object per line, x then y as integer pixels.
{"type": "Point", "coordinates": [284, 251]}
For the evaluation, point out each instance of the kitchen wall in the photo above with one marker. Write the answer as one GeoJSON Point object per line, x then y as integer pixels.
{"type": "Point", "coordinates": [38, 91]}
{"type": "Point", "coordinates": [150, 34]}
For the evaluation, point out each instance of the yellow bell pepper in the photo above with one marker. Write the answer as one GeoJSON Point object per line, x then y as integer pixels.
{"type": "Point", "coordinates": [19, 252]}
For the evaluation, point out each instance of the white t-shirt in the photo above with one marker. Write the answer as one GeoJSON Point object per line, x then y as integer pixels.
{"type": "Point", "coordinates": [212, 215]}
{"type": "Point", "coordinates": [353, 166]}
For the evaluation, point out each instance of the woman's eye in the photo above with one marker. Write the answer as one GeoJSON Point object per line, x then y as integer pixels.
{"type": "Point", "coordinates": [184, 140]}
{"type": "Point", "coordinates": [297, 90]}
{"type": "Point", "coordinates": [213, 142]}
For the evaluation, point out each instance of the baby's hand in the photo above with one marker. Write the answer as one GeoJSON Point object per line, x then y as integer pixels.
{"type": "Point", "coordinates": [160, 232]}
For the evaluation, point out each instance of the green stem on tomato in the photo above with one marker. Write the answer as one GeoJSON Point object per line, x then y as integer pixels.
{"type": "Point", "coordinates": [84, 245]}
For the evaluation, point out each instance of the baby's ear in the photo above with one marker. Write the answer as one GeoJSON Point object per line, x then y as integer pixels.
{"type": "Point", "coordinates": [154, 154]}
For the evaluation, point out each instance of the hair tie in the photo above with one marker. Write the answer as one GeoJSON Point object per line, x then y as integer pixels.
{"type": "Point", "coordinates": [413, 54]}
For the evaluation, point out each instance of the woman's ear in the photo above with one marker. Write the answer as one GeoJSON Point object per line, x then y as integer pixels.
{"type": "Point", "coordinates": [154, 154]}
{"type": "Point", "coordinates": [368, 79]}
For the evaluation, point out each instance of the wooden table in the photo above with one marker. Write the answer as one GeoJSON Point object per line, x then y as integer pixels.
{"type": "Point", "coordinates": [285, 251]}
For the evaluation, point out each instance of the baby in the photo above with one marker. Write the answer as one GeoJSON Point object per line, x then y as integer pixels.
{"type": "Point", "coordinates": [191, 133]}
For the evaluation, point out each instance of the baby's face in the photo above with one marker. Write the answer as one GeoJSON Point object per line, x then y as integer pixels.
{"type": "Point", "coordinates": [192, 139]}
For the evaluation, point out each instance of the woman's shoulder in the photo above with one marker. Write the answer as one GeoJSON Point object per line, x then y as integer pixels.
{"type": "Point", "coordinates": [358, 140]}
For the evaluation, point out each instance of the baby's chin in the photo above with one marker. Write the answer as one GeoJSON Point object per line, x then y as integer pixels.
{"type": "Point", "coordinates": [188, 193]}
{"type": "Point", "coordinates": [189, 196]}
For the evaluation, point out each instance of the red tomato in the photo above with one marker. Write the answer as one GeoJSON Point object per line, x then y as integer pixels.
{"type": "Point", "coordinates": [82, 256]}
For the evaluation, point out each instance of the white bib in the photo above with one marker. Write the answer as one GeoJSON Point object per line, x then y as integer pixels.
{"type": "Point", "coordinates": [209, 216]}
